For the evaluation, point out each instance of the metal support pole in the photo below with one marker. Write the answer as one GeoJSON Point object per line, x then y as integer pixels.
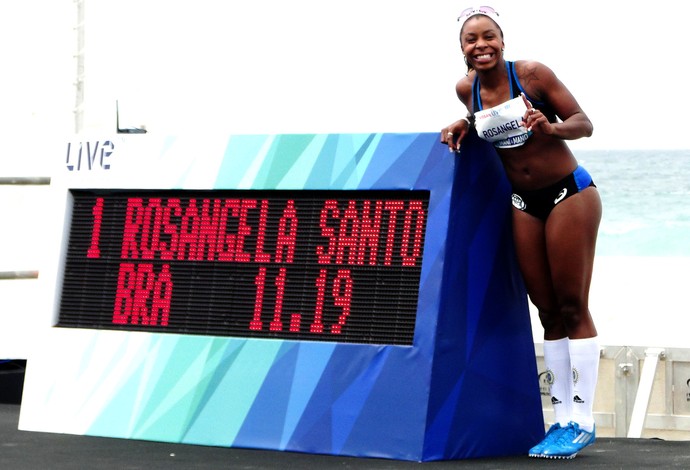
{"type": "Point", "coordinates": [644, 391]}
{"type": "Point", "coordinates": [79, 81]}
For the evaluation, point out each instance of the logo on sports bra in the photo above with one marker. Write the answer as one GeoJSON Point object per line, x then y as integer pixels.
{"type": "Point", "coordinates": [518, 203]}
{"type": "Point", "coordinates": [561, 196]}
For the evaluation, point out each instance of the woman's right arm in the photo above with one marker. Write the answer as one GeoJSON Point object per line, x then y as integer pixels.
{"type": "Point", "coordinates": [453, 134]}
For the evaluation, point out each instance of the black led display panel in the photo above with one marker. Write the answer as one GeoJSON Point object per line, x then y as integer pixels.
{"type": "Point", "coordinates": [340, 266]}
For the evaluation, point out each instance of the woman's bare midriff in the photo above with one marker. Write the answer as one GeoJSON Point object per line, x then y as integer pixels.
{"type": "Point", "coordinates": [538, 163]}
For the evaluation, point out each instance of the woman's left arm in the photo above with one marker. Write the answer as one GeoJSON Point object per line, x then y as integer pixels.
{"type": "Point", "coordinates": [540, 82]}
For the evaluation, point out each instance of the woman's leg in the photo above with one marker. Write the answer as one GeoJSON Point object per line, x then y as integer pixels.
{"type": "Point", "coordinates": [571, 233]}
{"type": "Point", "coordinates": [530, 243]}
{"type": "Point", "coordinates": [530, 247]}
{"type": "Point", "coordinates": [556, 260]}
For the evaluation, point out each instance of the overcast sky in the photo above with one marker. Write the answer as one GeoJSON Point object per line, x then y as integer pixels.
{"type": "Point", "coordinates": [314, 66]}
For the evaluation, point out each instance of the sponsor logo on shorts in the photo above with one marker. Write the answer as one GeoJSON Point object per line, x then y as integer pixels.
{"type": "Point", "coordinates": [518, 203]}
{"type": "Point", "coordinates": [561, 196]}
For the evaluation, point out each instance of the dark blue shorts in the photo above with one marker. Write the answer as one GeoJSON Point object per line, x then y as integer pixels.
{"type": "Point", "coordinates": [541, 202]}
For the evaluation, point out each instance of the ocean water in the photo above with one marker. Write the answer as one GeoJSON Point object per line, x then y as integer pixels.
{"type": "Point", "coordinates": [646, 200]}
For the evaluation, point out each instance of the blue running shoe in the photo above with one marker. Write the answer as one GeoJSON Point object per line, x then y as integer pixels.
{"type": "Point", "coordinates": [550, 437]}
{"type": "Point", "coordinates": [570, 441]}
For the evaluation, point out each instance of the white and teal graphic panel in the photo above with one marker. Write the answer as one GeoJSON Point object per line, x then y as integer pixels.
{"type": "Point", "coordinates": [340, 294]}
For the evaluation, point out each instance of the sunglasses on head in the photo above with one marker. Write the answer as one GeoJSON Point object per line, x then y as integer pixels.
{"type": "Point", "coordinates": [467, 12]}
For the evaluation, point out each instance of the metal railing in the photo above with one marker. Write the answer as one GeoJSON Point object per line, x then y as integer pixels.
{"type": "Point", "coordinates": [641, 392]}
{"type": "Point", "coordinates": [24, 180]}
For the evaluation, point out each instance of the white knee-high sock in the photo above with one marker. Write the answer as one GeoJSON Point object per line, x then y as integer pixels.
{"type": "Point", "coordinates": [559, 376]}
{"type": "Point", "coordinates": [584, 358]}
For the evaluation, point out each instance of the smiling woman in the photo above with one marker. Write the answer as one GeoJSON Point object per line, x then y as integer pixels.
{"type": "Point", "coordinates": [527, 113]}
{"type": "Point", "coordinates": [492, 34]}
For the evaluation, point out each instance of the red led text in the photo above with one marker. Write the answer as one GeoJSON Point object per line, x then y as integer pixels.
{"type": "Point", "coordinates": [143, 296]}
{"type": "Point", "coordinates": [152, 236]}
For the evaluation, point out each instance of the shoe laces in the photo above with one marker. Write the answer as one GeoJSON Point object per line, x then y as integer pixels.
{"type": "Point", "coordinates": [570, 432]}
